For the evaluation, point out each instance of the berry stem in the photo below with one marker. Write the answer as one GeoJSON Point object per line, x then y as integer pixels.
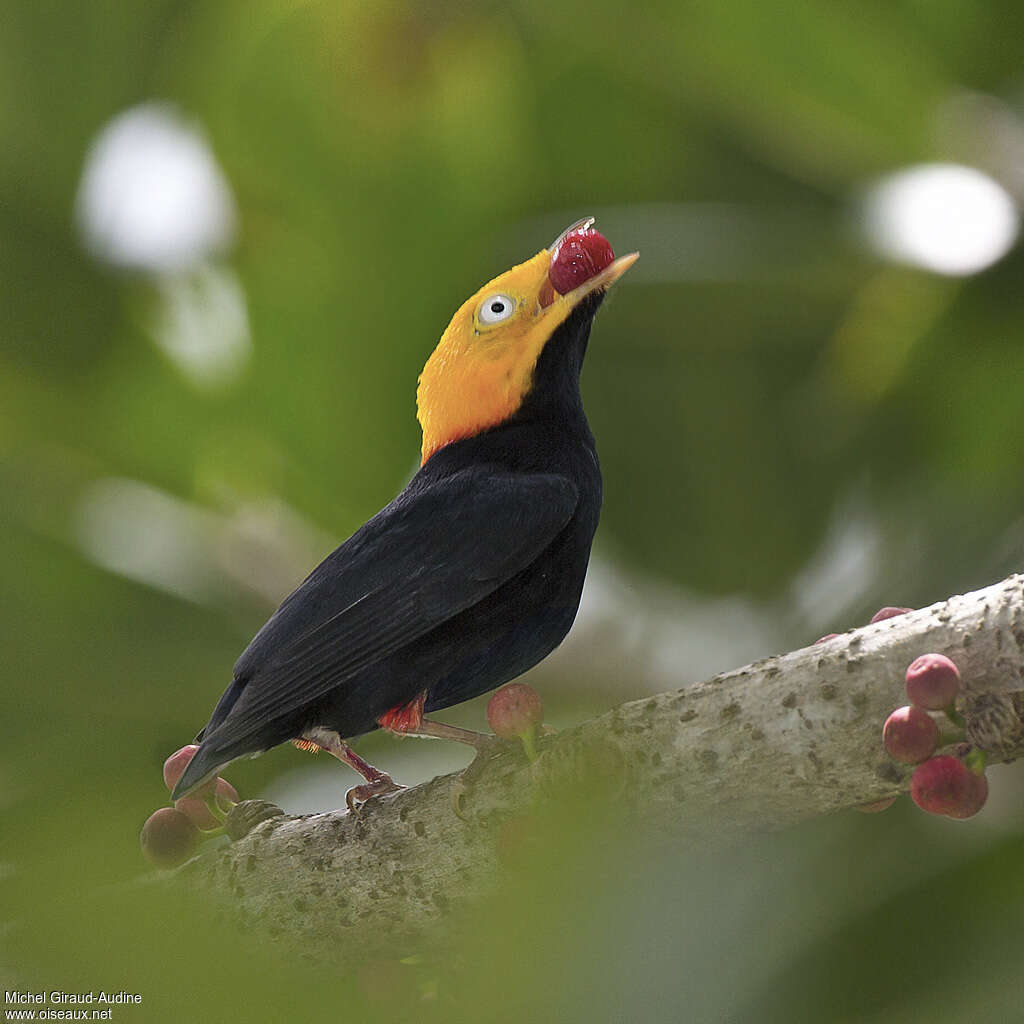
{"type": "Point", "coordinates": [976, 761]}
{"type": "Point", "coordinates": [528, 745]}
{"type": "Point", "coordinates": [214, 808]}
{"type": "Point", "coordinates": [950, 736]}
{"type": "Point", "coordinates": [955, 717]}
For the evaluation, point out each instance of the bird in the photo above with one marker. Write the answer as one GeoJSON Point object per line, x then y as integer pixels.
{"type": "Point", "coordinates": [474, 572]}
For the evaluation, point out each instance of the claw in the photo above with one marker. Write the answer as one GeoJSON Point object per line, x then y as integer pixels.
{"type": "Point", "coordinates": [457, 793]}
{"type": "Point", "coordinates": [359, 795]}
{"type": "Point", "coordinates": [378, 783]}
{"type": "Point", "coordinates": [487, 747]}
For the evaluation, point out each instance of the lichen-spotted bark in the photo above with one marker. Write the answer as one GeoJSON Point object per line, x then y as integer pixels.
{"type": "Point", "coordinates": [764, 746]}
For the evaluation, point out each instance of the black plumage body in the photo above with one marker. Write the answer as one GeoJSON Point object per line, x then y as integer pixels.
{"type": "Point", "coordinates": [471, 576]}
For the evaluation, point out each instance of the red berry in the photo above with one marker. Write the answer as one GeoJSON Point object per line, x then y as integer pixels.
{"type": "Point", "coordinates": [198, 811]}
{"type": "Point", "coordinates": [579, 257]}
{"type": "Point", "coordinates": [877, 806]}
{"type": "Point", "coordinates": [226, 794]}
{"type": "Point", "coordinates": [194, 808]}
{"type": "Point", "coordinates": [910, 735]}
{"type": "Point", "coordinates": [942, 785]}
{"type": "Point", "coordinates": [515, 711]}
{"type": "Point", "coordinates": [888, 613]}
{"type": "Point", "coordinates": [975, 798]}
{"type": "Point", "coordinates": [933, 682]}
{"type": "Point", "coordinates": [168, 838]}
{"type": "Point", "coordinates": [175, 765]}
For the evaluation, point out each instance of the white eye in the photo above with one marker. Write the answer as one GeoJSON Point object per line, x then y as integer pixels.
{"type": "Point", "coordinates": [496, 308]}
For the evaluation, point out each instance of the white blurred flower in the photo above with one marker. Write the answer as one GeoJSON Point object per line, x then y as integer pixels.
{"type": "Point", "coordinates": [947, 218]}
{"type": "Point", "coordinates": [202, 324]}
{"type": "Point", "coordinates": [152, 196]}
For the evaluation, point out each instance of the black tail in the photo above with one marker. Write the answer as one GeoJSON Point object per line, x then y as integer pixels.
{"type": "Point", "coordinates": [204, 765]}
{"type": "Point", "coordinates": [227, 701]}
{"type": "Point", "coordinates": [208, 759]}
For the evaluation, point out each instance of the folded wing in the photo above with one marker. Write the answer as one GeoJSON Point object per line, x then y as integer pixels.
{"type": "Point", "coordinates": [429, 555]}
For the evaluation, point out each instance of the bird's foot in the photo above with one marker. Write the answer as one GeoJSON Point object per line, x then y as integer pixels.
{"type": "Point", "coordinates": [487, 748]}
{"type": "Point", "coordinates": [377, 783]}
{"type": "Point", "coordinates": [381, 786]}
{"type": "Point", "coordinates": [245, 816]}
{"type": "Point", "coordinates": [457, 794]}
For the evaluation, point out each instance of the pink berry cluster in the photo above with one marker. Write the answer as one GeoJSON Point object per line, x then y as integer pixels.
{"type": "Point", "coordinates": [172, 834]}
{"type": "Point", "coordinates": [945, 785]}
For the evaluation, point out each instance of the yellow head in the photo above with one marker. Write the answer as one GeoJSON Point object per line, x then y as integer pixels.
{"type": "Point", "coordinates": [482, 368]}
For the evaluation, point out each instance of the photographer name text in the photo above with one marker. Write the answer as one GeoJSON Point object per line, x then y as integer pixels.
{"type": "Point", "coordinates": [56, 998]}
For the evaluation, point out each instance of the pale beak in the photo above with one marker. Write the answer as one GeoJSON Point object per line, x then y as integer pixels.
{"type": "Point", "coordinates": [605, 279]}
{"type": "Point", "coordinates": [609, 275]}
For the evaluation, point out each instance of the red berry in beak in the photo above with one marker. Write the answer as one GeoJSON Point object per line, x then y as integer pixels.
{"type": "Point", "coordinates": [580, 256]}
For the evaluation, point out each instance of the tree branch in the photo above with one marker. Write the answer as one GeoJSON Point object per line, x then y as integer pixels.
{"type": "Point", "coordinates": [764, 746]}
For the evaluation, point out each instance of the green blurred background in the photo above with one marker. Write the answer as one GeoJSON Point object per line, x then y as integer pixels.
{"type": "Point", "coordinates": [230, 235]}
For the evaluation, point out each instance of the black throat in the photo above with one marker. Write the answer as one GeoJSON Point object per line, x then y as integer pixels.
{"type": "Point", "coordinates": [555, 388]}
